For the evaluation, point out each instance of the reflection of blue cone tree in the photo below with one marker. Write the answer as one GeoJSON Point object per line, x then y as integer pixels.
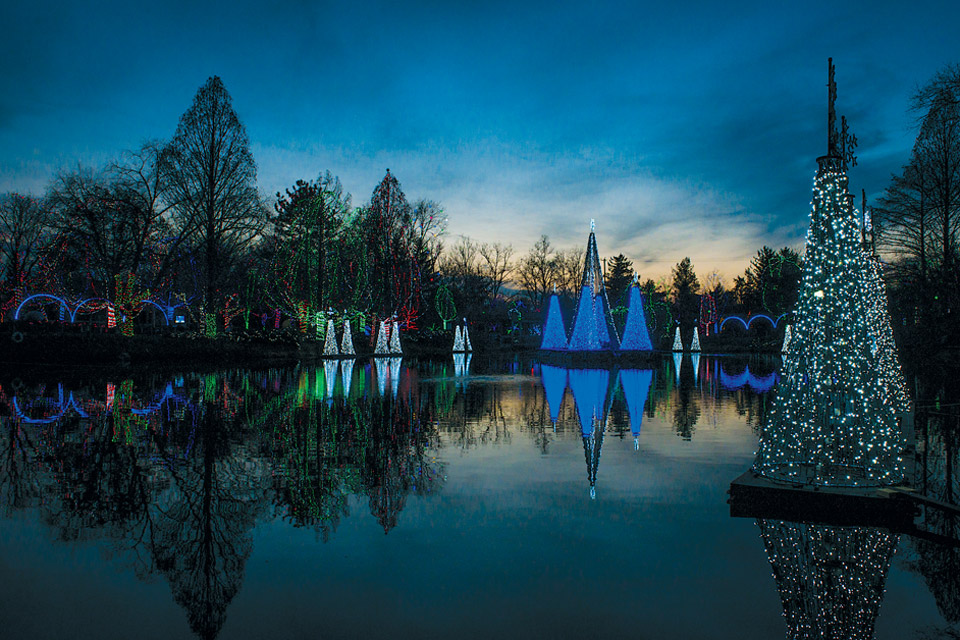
{"type": "Point", "coordinates": [677, 363]}
{"type": "Point", "coordinates": [330, 376]}
{"type": "Point", "coordinates": [554, 380]}
{"type": "Point", "coordinates": [636, 337]}
{"type": "Point", "coordinates": [382, 370]}
{"type": "Point", "coordinates": [695, 360]}
{"type": "Point", "coordinates": [592, 445]}
{"type": "Point", "coordinates": [636, 385]}
{"type": "Point", "coordinates": [589, 388]}
{"type": "Point", "coordinates": [554, 333]}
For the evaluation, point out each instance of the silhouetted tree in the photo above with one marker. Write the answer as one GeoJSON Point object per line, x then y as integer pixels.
{"type": "Point", "coordinates": [684, 291]}
{"type": "Point", "coordinates": [212, 177]}
{"type": "Point", "coordinates": [619, 276]}
{"type": "Point", "coordinates": [537, 271]}
{"type": "Point", "coordinates": [23, 229]}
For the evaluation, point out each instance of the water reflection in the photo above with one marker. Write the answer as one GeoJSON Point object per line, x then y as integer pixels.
{"type": "Point", "coordinates": [830, 579]}
{"type": "Point", "coordinates": [175, 473]}
{"type": "Point", "coordinates": [936, 557]}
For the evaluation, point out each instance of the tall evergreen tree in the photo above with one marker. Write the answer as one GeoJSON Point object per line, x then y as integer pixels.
{"type": "Point", "coordinates": [618, 277]}
{"type": "Point", "coordinates": [213, 179]}
{"type": "Point", "coordinates": [684, 290]}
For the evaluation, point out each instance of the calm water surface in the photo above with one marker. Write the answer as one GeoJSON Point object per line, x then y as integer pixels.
{"type": "Point", "coordinates": [399, 499]}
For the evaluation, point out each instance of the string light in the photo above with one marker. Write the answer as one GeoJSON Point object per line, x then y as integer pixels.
{"type": "Point", "coordinates": [833, 420]}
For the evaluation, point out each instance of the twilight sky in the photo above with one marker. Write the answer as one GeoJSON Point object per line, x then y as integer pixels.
{"type": "Point", "coordinates": [683, 130]}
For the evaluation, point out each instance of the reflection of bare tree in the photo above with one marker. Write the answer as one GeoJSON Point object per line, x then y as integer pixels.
{"type": "Point", "coordinates": [20, 486]}
{"type": "Point", "coordinates": [477, 417]}
{"type": "Point", "coordinates": [938, 440]}
{"type": "Point", "coordinates": [830, 579]}
{"type": "Point", "coordinates": [203, 520]}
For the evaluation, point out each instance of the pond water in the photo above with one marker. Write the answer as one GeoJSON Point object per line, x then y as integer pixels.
{"type": "Point", "coordinates": [396, 499]}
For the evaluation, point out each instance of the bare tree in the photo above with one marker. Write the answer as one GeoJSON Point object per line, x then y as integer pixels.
{"type": "Point", "coordinates": [497, 264]}
{"type": "Point", "coordinates": [139, 183]}
{"type": "Point", "coordinates": [426, 234]}
{"type": "Point", "coordinates": [212, 177]}
{"type": "Point", "coordinates": [462, 260]}
{"type": "Point", "coordinates": [538, 271]}
{"type": "Point", "coordinates": [902, 221]}
{"type": "Point", "coordinates": [938, 153]}
{"type": "Point", "coordinates": [22, 229]}
{"type": "Point", "coordinates": [569, 265]}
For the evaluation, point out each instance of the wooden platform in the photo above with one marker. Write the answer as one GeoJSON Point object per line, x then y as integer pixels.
{"type": "Point", "coordinates": [754, 496]}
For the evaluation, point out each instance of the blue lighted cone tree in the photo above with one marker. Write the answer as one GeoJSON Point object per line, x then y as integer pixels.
{"type": "Point", "coordinates": [636, 337]}
{"type": "Point", "coordinates": [593, 328]}
{"type": "Point", "coordinates": [554, 333]}
{"type": "Point", "coordinates": [833, 421]}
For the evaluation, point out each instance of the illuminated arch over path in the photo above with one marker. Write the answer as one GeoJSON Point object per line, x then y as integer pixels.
{"type": "Point", "coordinates": [746, 323]}
{"type": "Point", "coordinates": [166, 312]}
{"type": "Point", "coordinates": [48, 296]}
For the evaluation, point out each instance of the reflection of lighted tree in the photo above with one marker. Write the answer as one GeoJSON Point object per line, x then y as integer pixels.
{"type": "Point", "coordinates": [329, 449]}
{"type": "Point", "coordinates": [830, 579]}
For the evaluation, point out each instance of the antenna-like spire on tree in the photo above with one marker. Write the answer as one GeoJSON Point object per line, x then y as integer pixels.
{"type": "Point", "coordinates": [833, 137]}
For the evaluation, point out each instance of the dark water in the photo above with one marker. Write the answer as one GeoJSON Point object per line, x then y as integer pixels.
{"type": "Point", "coordinates": [428, 500]}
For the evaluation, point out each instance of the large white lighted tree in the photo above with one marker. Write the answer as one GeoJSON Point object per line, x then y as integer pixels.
{"type": "Point", "coordinates": [833, 421]}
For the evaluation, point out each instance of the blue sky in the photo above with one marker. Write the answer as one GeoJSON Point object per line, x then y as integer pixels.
{"type": "Point", "coordinates": [684, 130]}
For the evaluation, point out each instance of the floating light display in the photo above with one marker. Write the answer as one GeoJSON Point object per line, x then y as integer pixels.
{"type": "Point", "coordinates": [833, 420]}
{"type": "Point", "coordinates": [554, 334]}
{"type": "Point", "coordinates": [636, 337]}
{"type": "Point", "coordinates": [395, 347]}
{"type": "Point", "coordinates": [383, 346]}
{"type": "Point", "coordinates": [330, 344]}
{"type": "Point", "coordinates": [346, 344]}
{"type": "Point", "coordinates": [593, 327]}
{"type": "Point", "coordinates": [677, 342]}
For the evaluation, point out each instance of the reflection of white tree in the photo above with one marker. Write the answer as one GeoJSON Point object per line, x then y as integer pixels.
{"type": "Point", "coordinates": [830, 579]}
